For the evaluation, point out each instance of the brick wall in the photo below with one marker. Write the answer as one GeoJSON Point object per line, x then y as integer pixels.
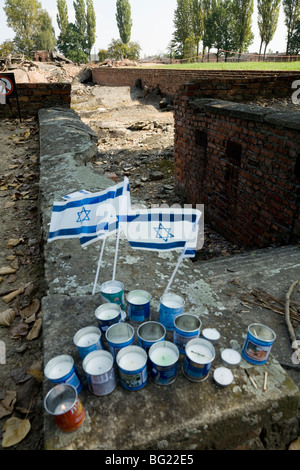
{"type": "Point", "coordinates": [233, 85]}
{"type": "Point", "coordinates": [242, 163]}
{"type": "Point", "coordinates": [34, 96]}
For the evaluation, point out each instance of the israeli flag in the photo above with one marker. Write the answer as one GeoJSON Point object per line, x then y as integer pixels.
{"type": "Point", "coordinates": [164, 229]}
{"type": "Point", "coordinates": [89, 217]}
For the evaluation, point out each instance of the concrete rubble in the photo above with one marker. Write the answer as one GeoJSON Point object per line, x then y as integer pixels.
{"type": "Point", "coordinates": [183, 415]}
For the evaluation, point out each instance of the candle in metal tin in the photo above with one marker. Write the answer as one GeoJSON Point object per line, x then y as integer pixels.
{"type": "Point", "coordinates": [138, 305]}
{"type": "Point", "coordinates": [223, 376]}
{"type": "Point", "coordinates": [107, 315]}
{"type": "Point", "coordinates": [230, 357]}
{"type": "Point", "coordinates": [164, 357]}
{"type": "Point", "coordinates": [149, 333]}
{"type": "Point", "coordinates": [98, 366]}
{"type": "Point", "coordinates": [132, 365]}
{"type": "Point", "coordinates": [171, 305]}
{"type": "Point", "coordinates": [113, 292]}
{"type": "Point", "coordinates": [258, 343]}
{"type": "Point", "coordinates": [118, 336]}
{"type": "Point", "coordinates": [61, 369]}
{"type": "Point", "coordinates": [199, 355]}
{"type": "Point", "coordinates": [186, 327]}
{"type": "Point", "coordinates": [211, 334]}
{"type": "Point", "coordinates": [87, 339]}
{"type": "Point", "coordinates": [63, 404]}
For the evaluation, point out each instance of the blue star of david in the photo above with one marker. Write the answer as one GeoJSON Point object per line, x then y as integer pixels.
{"type": "Point", "coordinates": [163, 233]}
{"type": "Point", "coordinates": [83, 215]}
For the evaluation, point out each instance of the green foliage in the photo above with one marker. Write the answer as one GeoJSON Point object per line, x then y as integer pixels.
{"type": "Point", "coordinates": [90, 24]}
{"type": "Point", "coordinates": [183, 26]}
{"type": "Point", "coordinates": [71, 45]}
{"type": "Point", "coordinates": [224, 40]}
{"type": "Point", "coordinates": [62, 16]}
{"type": "Point", "coordinates": [124, 21]}
{"type": "Point", "coordinates": [291, 10]}
{"type": "Point", "coordinates": [268, 14]}
{"type": "Point", "coordinates": [31, 24]}
{"type": "Point", "coordinates": [242, 13]}
{"type": "Point", "coordinates": [6, 48]}
{"type": "Point", "coordinates": [102, 54]}
{"type": "Point", "coordinates": [295, 40]}
{"type": "Point", "coordinates": [117, 50]}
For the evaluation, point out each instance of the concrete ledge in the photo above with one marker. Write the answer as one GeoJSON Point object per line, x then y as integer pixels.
{"type": "Point", "coordinates": [183, 415]}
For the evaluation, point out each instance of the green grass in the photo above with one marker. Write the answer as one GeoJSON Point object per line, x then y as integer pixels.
{"type": "Point", "coordinates": [287, 66]}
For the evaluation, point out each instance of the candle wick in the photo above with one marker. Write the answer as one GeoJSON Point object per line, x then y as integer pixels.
{"type": "Point", "coordinates": [199, 354]}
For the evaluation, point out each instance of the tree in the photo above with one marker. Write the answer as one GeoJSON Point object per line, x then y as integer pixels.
{"type": "Point", "coordinates": [197, 22]}
{"type": "Point", "coordinates": [124, 22]}
{"type": "Point", "coordinates": [80, 21]}
{"type": "Point", "coordinates": [183, 26]}
{"type": "Point", "coordinates": [295, 40]}
{"type": "Point", "coordinates": [268, 13]}
{"type": "Point", "coordinates": [291, 10]}
{"type": "Point", "coordinates": [90, 24]}
{"type": "Point", "coordinates": [46, 40]}
{"type": "Point", "coordinates": [29, 21]}
{"type": "Point", "coordinates": [62, 17]}
{"type": "Point", "coordinates": [224, 40]}
{"type": "Point", "coordinates": [118, 50]}
{"type": "Point", "coordinates": [71, 47]}
{"type": "Point", "coordinates": [242, 12]}
{"type": "Point", "coordinates": [210, 25]}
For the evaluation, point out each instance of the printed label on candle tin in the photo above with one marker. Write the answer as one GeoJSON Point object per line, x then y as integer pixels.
{"type": "Point", "coordinates": [164, 362]}
{"type": "Point", "coordinates": [98, 366]}
{"type": "Point", "coordinates": [73, 419]}
{"type": "Point", "coordinates": [138, 306]}
{"type": "Point", "coordinates": [258, 344]}
{"type": "Point", "coordinates": [63, 363]}
{"type": "Point", "coordinates": [88, 339]}
{"type": "Point", "coordinates": [199, 355]}
{"type": "Point", "coordinates": [186, 327]}
{"type": "Point", "coordinates": [107, 315]}
{"type": "Point", "coordinates": [171, 305]}
{"type": "Point", "coordinates": [113, 292]}
{"type": "Point", "coordinates": [132, 365]}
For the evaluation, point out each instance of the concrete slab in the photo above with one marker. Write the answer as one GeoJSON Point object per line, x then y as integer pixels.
{"type": "Point", "coordinates": [183, 415]}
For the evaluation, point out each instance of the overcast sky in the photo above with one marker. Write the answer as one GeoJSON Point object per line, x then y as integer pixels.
{"type": "Point", "coordinates": [152, 25]}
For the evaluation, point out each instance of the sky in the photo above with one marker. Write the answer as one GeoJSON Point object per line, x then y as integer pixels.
{"type": "Point", "coordinates": [152, 25]}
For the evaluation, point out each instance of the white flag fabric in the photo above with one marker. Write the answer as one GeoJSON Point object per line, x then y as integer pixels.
{"type": "Point", "coordinates": [89, 217]}
{"type": "Point", "coordinates": [164, 229]}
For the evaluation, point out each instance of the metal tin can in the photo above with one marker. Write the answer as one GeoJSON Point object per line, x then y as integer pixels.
{"type": "Point", "coordinates": [164, 362]}
{"type": "Point", "coordinates": [100, 373]}
{"type": "Point", "coordinates": [61, 369]}
{"type": "Point", "coordinates": [87, 339]}
{"type": "Point", "coordinates": [171, 305]}
{"type": "Point", "coordinates": [118, 336]}
{"type": "Point", "coordinates": [138, 306]}
{"type": "Point", "coordinates": [63, 404]}
{"type": "Point", "coordinates": [132, 366]}
{"type": "Point", "coordinates": [186, 327]}
{"type": "Point", "coordinates": [258, 343]}
{"type": "Point", "coordinates": [149, 333]}
{"type": "Point", "coordinates": [113, 292]}
{"type": "Point", "coordinates": [199, 355]}
{"type": "Point", "coordinates": [107, 314]}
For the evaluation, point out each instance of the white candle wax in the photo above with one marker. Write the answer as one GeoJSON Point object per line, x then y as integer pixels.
{"type": "Point", "coordinates": [138, 300]}
{"type": "Point", "coordinates": [63, 407]}
{"type": "Point", "coordinates": [199, 353]}
{"type": "Point", "coordinates": [59, 370]}
{"type": "Point", "coordinates": [211, 334]}
{"type": "Point", "coordinates": [88, 339]}
{"type": "Point", "coordinates": [132, 361]}
{"type": "Point", "coordinates": [98, 365]}
{"type": "Point", "coordinates": [163, 356]}
{"type": "Point", "coordinates": [110, 288]}
{"type": "Point", "coordinates": [171, 304]}
{"type": "Point", "coordinates": [223, 376]}
{"type": "Point", "coordinates": [107, 314]}
{"type": "Point", "coordinates": [230, 356]}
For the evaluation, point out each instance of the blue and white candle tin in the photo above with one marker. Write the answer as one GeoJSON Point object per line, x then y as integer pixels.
{"type": "Point", "coordinates": [87, 339]}
{"type": "Point", "coordinates": [258, 343]}
{"type": "Point", "coordinates": [138, 306]}
{"type": "Point", "coordinates": [61, 369]}
{"type": "Point", "coordinates": [171, 305]}
{"type": "Point", "coordinates": [164, 357]}
{"type": "Point", "coordinates": [149, 333]}
{"type": "Point", "coordinates": [107, 315]}
{"type": "Point", "coordinates": [132, 366]}
{"type": "Point", "coordinates": [100, 373]}
{"type": "Point", "coordinates": [186, 327]}
{"type": "Point", "coordinates": [119, 336]}
{"type": "Point", "coordinates": [199, 355]}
